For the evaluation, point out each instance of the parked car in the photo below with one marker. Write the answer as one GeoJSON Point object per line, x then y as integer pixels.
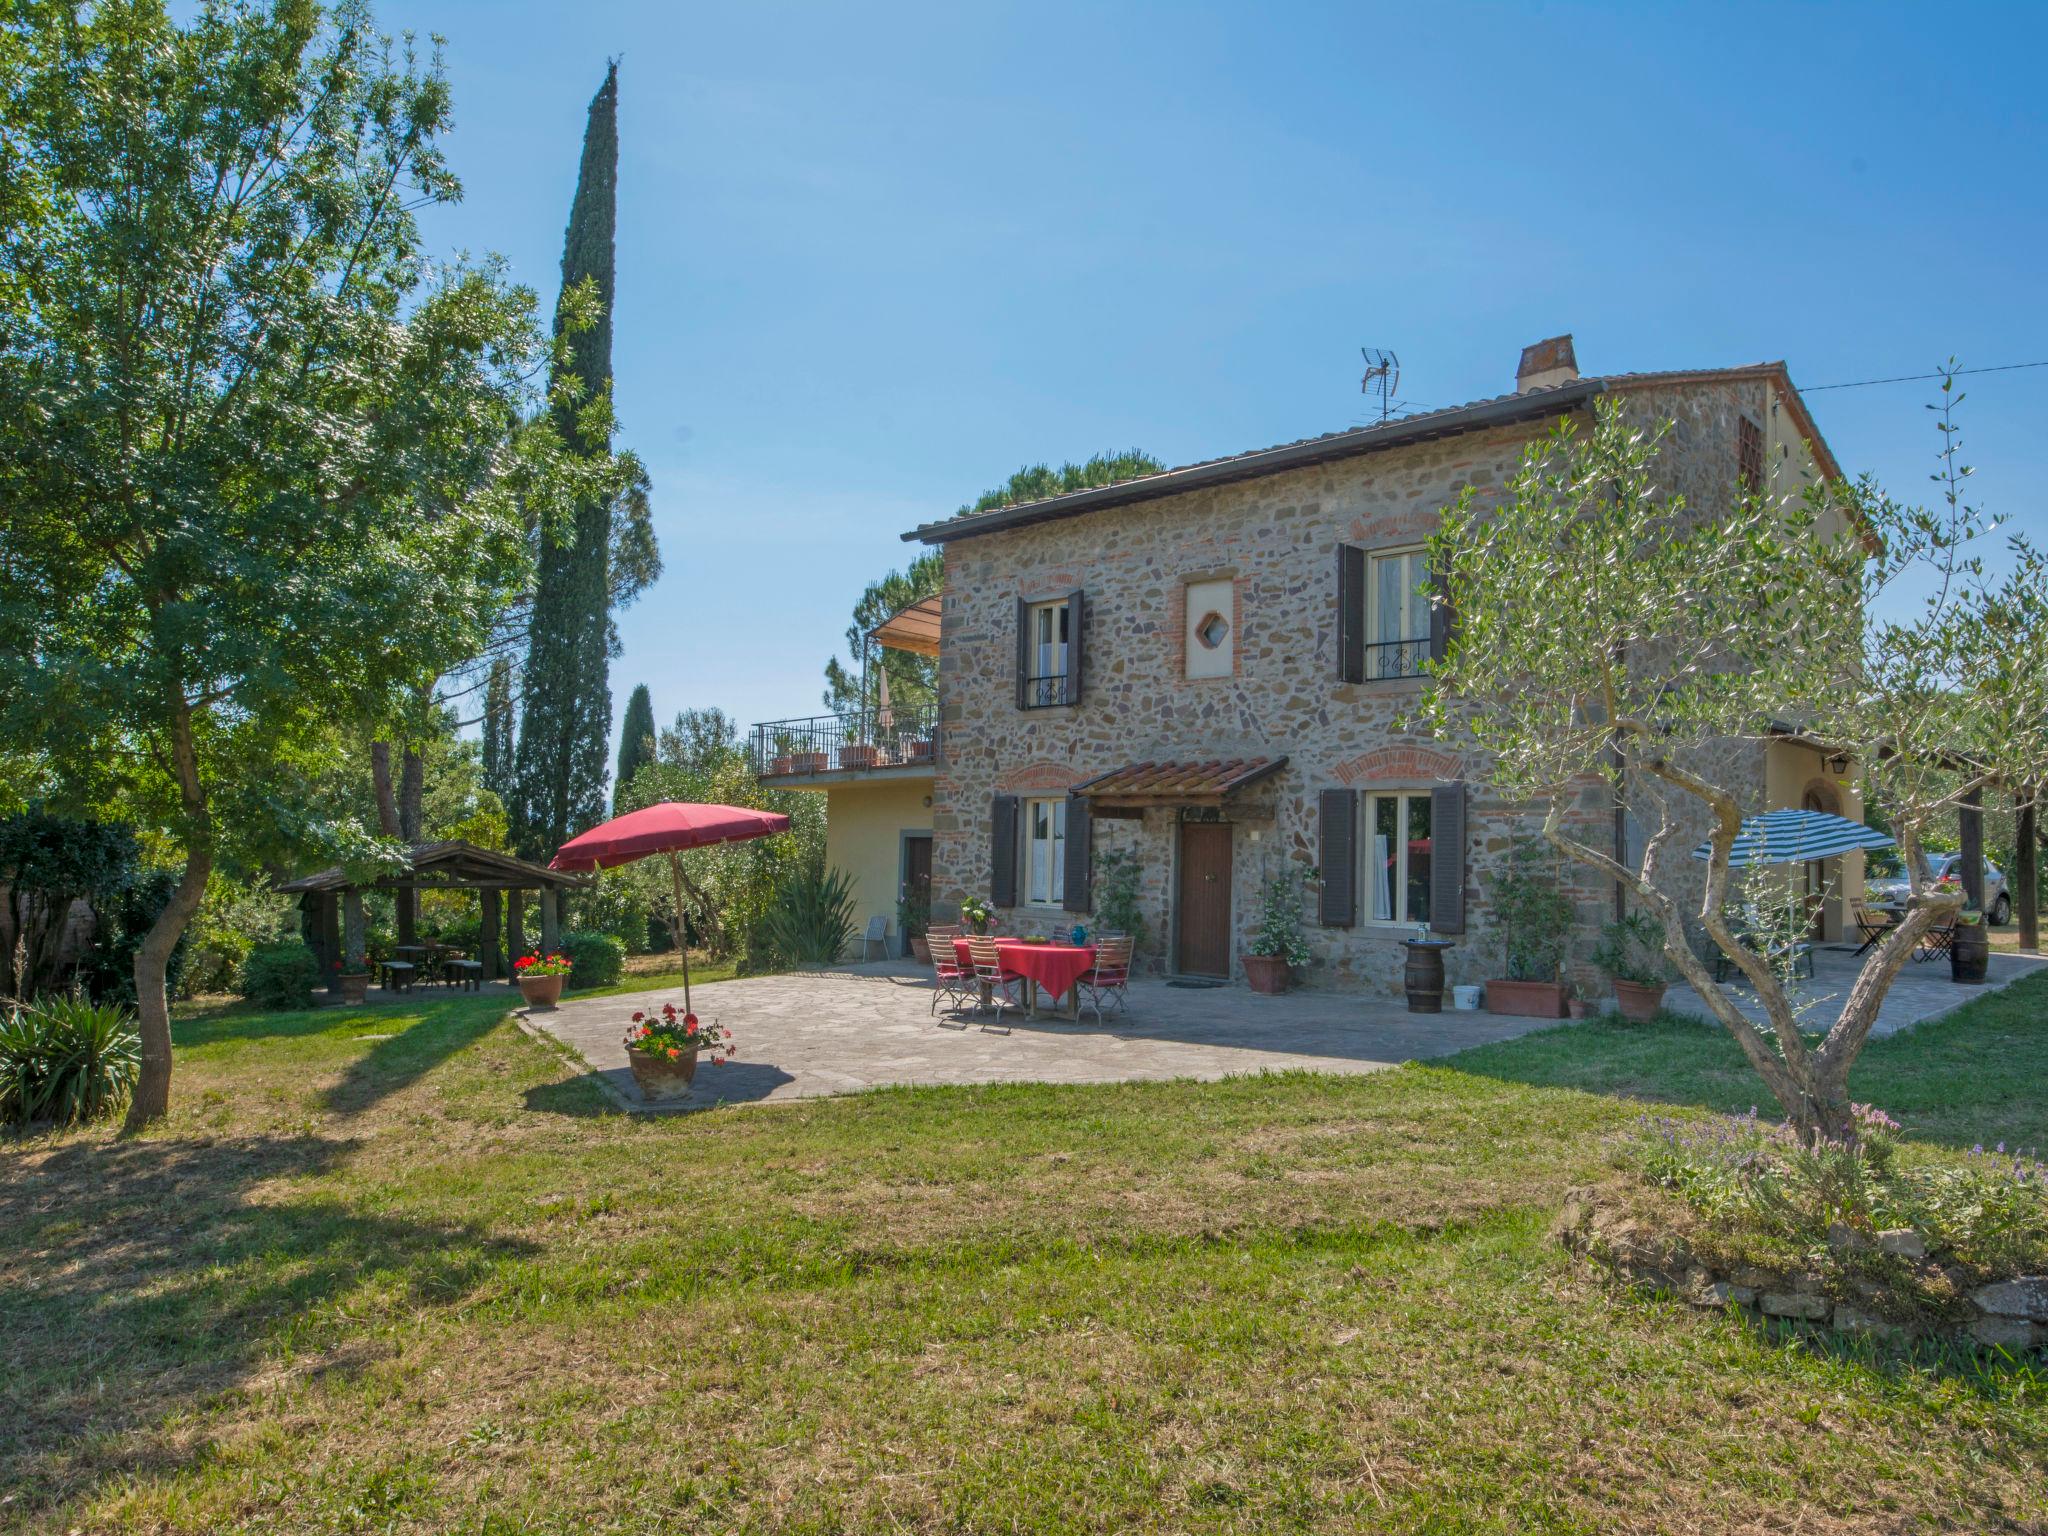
{"type": "Point", "coordinates": [1997, 899]}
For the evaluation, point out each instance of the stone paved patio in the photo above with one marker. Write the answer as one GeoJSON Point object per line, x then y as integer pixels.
{"type": "Point", "coordinates": [858, 1027]}
{"type": "Point", "coordinates": [1922, 991]}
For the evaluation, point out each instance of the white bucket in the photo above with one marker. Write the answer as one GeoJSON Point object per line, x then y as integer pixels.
{"type": "Point", "coordinates": [1466, 999]}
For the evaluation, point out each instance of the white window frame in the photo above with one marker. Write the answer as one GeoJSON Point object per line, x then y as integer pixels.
{"type": "Point", "coordinates": [1046, 886]}
{"type": "Point", "coordinates": [1370, 881]}
{"type": "Point", "coordinates": [1048, 655]}
{"type": "Point", "coordinates": [1411, 626]}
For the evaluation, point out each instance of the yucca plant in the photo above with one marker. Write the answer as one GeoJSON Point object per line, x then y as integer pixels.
{"type": "Point", "coordinates": [812, 920]}
{"type": "Point", "coordinates": [66, 1061]}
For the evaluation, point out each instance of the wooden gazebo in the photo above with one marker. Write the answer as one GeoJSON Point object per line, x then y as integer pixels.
{"type": "Point", "coordinates": [328, 897]}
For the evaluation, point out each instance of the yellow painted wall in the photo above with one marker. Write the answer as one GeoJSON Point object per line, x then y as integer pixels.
{"type": "Point", "coordinates": [1789, 768]}
{"type": "Point", "coordinates": [864, 826]}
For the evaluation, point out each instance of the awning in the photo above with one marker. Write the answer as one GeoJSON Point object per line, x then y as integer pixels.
{"type": "Point", "coordinates": [1796, 837]}
{"type": "Point", "coordinates": [448, 865]}
{"type": "Point", "coordinates": [914, 629]}
{"type": "Point", "coordinates": [1154, 783]}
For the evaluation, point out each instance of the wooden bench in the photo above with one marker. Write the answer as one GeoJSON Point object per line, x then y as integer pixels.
{"type": "Point", "coordinates": [464, 975]}
{"type": "Point", "coordinates": [399, 975]}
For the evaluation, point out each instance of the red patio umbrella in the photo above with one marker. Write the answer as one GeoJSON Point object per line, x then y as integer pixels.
{"type": "Point", "coordinates": [671, 827]}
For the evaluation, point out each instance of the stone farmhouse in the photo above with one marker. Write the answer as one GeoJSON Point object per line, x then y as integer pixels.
{"type": "Point", "coordinates": [1208, 668]}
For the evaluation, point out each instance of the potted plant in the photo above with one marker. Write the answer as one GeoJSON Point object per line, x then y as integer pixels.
{"type": "Point", "coordinates": [1535, 919]}
{"type": "Point", "coordinates": [918, 749]}
{"type": "Point", "coordinates": [1631, 952]}
{"type": "Point", "coordinates": [857, 754]}
{"type": "Point", "coordinates": [810, 762]}
{"type": "Point", "coordinates": [781, 764]}
{"type": "Point", "coordinates": [977, 914]}
{"type": "Point", "coordinates": [1277, 946]}
{"type": "Point", "coordinates": [662, 1050]}
{"type": "Point", "coordinates": [540, 978]}
{"type": "Point", "coordinates": [913, 917]}
{"type": "Point", "coordinates": [355, 985]}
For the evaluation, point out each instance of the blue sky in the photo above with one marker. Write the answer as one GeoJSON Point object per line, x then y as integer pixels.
{"type": "Point", "coordinates": [872, 259]}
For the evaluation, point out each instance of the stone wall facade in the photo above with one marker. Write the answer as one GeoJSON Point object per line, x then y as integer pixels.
{"type": "Point", "coordinates": [1275, 539]}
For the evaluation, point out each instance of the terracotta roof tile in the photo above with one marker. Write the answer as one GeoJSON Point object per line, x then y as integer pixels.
{"type": "Point", "coordinates": [1172, 781]}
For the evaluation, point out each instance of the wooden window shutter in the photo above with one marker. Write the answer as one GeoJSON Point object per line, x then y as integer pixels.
{"type": "Point", "coordinates": [1443, 621]}
{"type": "Point", "coordinates": [1337, 810]}
{"type": "Point", "coordinates": [1002, 851]}
{"type": "Point", "coordinates": [1079, 897]}
{"type": "Point", "coordinates": [1070, 685]}
{"type": "Point", "coordinates": [1350, 614]}
{"type": "Point", "coordinates": [1749, 452]}
{"type": "Point", "coordinates": [1447, 858]}
{"type": "Point", "coordinates": [1023, 654]}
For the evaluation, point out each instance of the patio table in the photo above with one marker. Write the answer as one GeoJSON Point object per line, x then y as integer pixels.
{"type": "Point", "coordinates": [1055, 967]}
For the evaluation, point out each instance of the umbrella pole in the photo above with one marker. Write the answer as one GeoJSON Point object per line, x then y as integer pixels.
{"type": "Point", "coordinates": [675, 869]}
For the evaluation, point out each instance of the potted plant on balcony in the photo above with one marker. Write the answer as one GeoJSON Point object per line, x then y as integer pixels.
{"type": "Point", "coordinates": [1535, 918]}
{"type": "Point", "coordinates": [540, 978]}
{"type": "Point", "coordinates": [662, 1050]}
{"type": "Point", "coordinates": [1278, 946]}
{"type": "Point", "coordinates": [857, 754]}
{"type": "Point", "coordinates": [782, 763]}
{"type": "Point", "coordinates": [1631, 952]}
{"type": "Point", "coordinates": [809, 762]}
{"type": "Point", "coordinates": [917, 749]}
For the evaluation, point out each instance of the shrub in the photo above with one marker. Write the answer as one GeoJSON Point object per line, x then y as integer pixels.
{"type": "Point", "coordinates": [235, 917]}
{"type": "Point", "coordinates": [1117, 908]}
{"type": "Point", "coordinates": [812, 920]}
{"type": "Point", "coordinates": [1533, 914]}
{"type": "Point", "coordinates": [595, 959]}
{"type": "Point", "coordinates": [615, 904]}
{"type": "Point", "coordinates": [66, 1061]}
{"type": "Point", "coordinates": [280, 976]}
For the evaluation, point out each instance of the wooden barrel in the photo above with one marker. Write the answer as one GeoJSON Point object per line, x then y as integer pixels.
{"type": "Point", "coordinates": [1424, 977]}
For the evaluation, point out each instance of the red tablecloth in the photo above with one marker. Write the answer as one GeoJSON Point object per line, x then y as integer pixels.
{"type": "Point", "coordinates": [1055, 967]}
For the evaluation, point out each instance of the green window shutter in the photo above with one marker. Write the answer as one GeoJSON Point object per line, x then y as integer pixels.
{"type": "Point", "coordinates": [1002, 851]}
{"type": "Point", "coordinates": [1350, 614]}
{"type": "Point", "coordinates": [1079, 896]}
{"type": "Point", "coordinates": [1447, 858]}
{"type": "Point", "coordinates": [1337, 811]}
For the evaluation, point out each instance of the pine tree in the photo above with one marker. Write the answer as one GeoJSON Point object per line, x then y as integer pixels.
{"type": "Point", "coordinates": [566, 708]}
{"type": "Point", "coordinates": [499, 731]}
{"type": "Point", "coordinates": [636, 741]}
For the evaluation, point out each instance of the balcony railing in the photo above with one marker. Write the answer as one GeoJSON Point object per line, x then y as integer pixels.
{"type": "Point", "coordinates": [1396, 658]}
{"type": "Point", "coordinates": [904, 737]}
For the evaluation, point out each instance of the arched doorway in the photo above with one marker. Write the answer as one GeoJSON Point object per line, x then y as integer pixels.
{"type": "Point", "coordinates": [1823, 876]}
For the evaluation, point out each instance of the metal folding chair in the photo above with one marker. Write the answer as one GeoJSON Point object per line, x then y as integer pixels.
{"type": "Point", "coordinates": [997, 988]}
{"type": "Point", "coordinates": [878, 933]}
{"type": "Point", "coordinates": [1109, 978]}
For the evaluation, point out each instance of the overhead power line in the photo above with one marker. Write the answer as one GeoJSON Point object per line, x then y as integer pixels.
{"type": "Point", "coordinates": [1909, 378]}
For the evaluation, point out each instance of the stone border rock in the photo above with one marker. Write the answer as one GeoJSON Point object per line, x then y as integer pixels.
{"type": "Point", "coordinates": [2011, 1315]}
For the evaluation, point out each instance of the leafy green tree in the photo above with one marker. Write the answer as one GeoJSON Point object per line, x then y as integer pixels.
{"type": "Point", "coordinates": [266, 468]}
{"type": "Point", "coordinates": [1667, 631]}
{"type": "Point", "coordinates": [500, 729]}
{"type": "Point", "coordinates": [636, 740]}
{"type": "Point", "coordinates": [565, 711]}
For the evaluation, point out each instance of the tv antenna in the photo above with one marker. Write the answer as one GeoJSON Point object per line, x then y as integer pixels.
{"type": "Point", "coordinates": [1382, 378]}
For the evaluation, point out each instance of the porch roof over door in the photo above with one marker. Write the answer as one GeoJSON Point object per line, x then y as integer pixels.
{"type": "Point", "coordinates": [1178, 783]}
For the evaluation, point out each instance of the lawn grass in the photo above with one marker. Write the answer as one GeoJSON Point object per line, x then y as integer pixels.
{"type": "Point", "coordinates": [404, 1271]}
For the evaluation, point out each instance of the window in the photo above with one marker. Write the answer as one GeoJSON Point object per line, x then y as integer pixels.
{"type": "Point", "coordinates": [1045, 835]}
{"type": "Point", "coordinates": [1045, 681]}
{"type": "Point", "coordinates": [1397, 614]}
{"type": "Point", "coordinates": [1397, 857]}
{"type": "Point", "coordinates": [1209, 642]}
{"type": "Point", "coordinates": [1749, 453]}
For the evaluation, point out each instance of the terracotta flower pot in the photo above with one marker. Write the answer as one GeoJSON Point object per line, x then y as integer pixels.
{"type": "Point", "coordinates": [781, 765]}
{"type": "Point", "coordinates": [1266, 973]}
{"type": "Point", "coordinates": [917, 751]}
{"type": "Point", "coordinates": [355, 986]}
{"type": "Point", "coordinates": [541, 991]}
{"type": "Point", "coordinates": [921, 947]}
{"type": "Point", "coordinates": [810, 762]}
{"type": "Point", "coordinates": [1526, 999]}
{"type": "Point", "coordinates": [662, 1076]}
{"type": "Point", "coordinates": [856, 755]}
{"type": "Point", "coordinates": [1638, 1003]}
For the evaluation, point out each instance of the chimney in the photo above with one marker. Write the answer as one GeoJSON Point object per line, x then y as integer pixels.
{"type": "Point", "coordinates": [1547, 363]}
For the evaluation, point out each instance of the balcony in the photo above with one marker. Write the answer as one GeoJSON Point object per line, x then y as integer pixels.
{"type": "Point", "coordinates": [863, 742]}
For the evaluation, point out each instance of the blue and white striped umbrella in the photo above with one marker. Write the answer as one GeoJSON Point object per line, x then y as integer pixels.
{"type": "Point", "coordinates": [1796, 837]}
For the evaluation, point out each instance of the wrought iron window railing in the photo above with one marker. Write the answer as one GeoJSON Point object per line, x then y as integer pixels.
{"type": "Point", "coordinates": [1395, 658]}
{"type": "Point", "coordinates": [900, 737]}
{"type": "Point", "coordinates": [1042, 691]}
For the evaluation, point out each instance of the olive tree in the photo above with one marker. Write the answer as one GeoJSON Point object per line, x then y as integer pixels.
{"type": "Point", "coordinates": [265, 465]}
{"type": "Point", "coordinates": [1608, 633]}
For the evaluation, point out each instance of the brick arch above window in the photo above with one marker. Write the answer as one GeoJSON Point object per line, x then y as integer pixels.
{"type": "Point", "coordinates": [1400, 765]}
{"type": "Point", "coordinates": [1041, 774]}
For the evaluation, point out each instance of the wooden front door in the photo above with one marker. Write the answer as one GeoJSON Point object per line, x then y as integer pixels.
{"type": "Point", "coordinates": [1204, 948]}
{"type": "Point", "coordinates": [917, 879]}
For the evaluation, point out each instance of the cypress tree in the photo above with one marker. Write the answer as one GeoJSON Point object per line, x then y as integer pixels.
{"type": "Point", "coordinates": [566, 709]}
{"type": "Point", "coordinates": [499, 731]}
{"type": "Point", "coordinates": [636, 742]}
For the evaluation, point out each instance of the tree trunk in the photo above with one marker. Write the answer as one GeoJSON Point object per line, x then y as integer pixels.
{"type": "Point", "coordinates": [153, 955]}
{"type": "Point", "coordinates": [411, 793]}
{"type": "Point", "coordinates": [2026, 877]}
{"type": "Point", "coordinates": [380, 779]}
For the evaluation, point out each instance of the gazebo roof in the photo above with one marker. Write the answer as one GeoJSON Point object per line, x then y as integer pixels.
{"type": "Point", "coordinates": [445, 865]}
